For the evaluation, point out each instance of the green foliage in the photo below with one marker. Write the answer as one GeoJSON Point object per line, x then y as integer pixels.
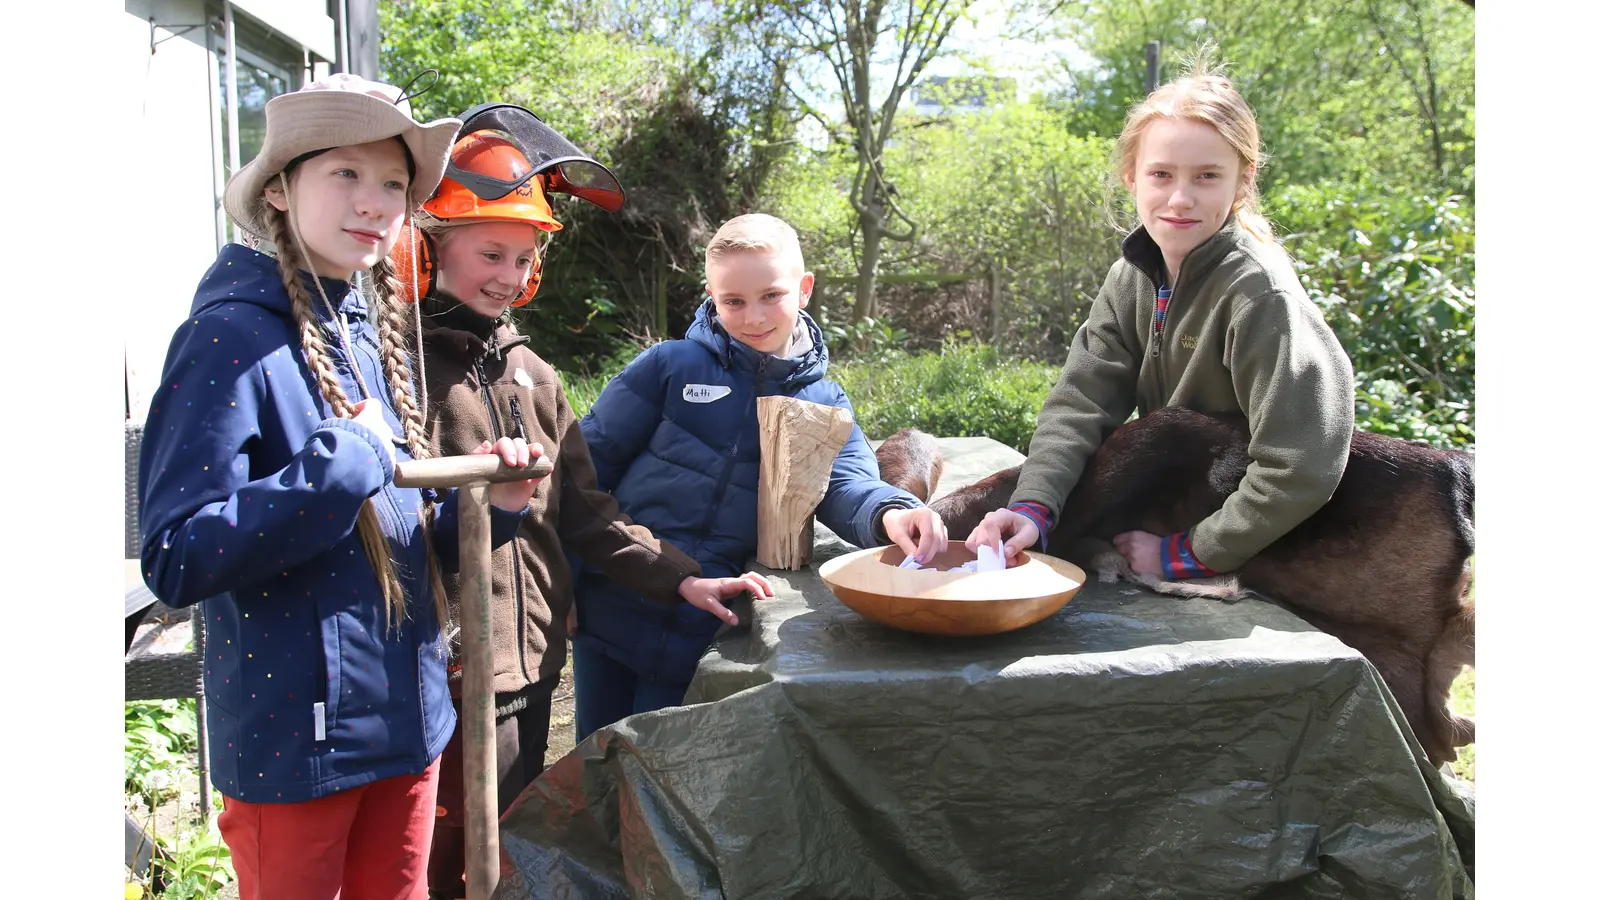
{"type": "Point", "coordinates": [964, 389]}
{"type": "Point", "coordinates": [196, 864]}
{"type": "Point", "coordinates": [159, 743]}
{"type": "Point", "coordinates": [1393, 274]}
{"type": "Point", "coordinates": [878, 339]}
{"type": "Point", "coordinates": [1345, 90]}
{"type": "Point", "coordinates": [666, 93]}
{"type": "Point", "coordinates": [479, 47]}
{"type": "Point", "coordinates": [1011, 188]}
{"type": "Point", "coordinates": [1008, 188]}
{"type": "Point", "coordinates": [583, 388]}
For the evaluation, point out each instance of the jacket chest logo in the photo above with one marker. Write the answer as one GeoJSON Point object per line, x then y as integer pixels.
{"type": "Point", "coordinates": [705, 393]}
{"type": "Point", "coordinates": [1187, 341]}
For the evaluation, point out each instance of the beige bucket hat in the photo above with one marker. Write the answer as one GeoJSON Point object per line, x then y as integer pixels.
{"type": "Point", "coordinates": [338, 111]}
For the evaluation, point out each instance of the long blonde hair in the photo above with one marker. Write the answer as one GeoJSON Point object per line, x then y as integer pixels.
{"type": "Point", "coordinates": [1202, 96]}
{"type": "Point", "coordinates": [394, 350]}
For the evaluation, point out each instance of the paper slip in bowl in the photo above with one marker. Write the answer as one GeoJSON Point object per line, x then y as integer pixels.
{"type": "Point", "coordinates": [933, 600]}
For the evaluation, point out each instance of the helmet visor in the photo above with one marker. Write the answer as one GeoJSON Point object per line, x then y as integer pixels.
{"type": "Point", "coordinates": [567, 169]}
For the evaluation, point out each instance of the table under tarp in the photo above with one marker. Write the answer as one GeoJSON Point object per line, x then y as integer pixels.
{"type": "Point", "coordinates": [1133, 745]}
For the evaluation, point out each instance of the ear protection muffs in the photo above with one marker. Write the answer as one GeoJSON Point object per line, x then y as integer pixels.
{"type": "Point", "coordinates": [535, 276]}
{"type": "Point", "coordinates": [427, 255]}
{"type": "Point", "coordinates": [414, 239]}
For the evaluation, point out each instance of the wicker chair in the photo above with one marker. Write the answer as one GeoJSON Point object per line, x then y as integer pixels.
{"type": "Point", "coordinates": [159, 676]}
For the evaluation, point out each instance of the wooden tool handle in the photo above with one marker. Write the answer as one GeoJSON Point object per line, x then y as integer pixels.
{"type": "Point", "coordinates": [480, 786]}
{"type": "Point", "coordinates": [454, 471]}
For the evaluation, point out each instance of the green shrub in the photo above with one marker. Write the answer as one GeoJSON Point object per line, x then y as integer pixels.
{"type": "Point", "coordinates": [159, 743]}
{"type": "Point", "coordinates": [964, 390]}
{"type": "Point", "coordinates": [1393, 274]}
{"type": "Point", "coordinates": [584, 388]}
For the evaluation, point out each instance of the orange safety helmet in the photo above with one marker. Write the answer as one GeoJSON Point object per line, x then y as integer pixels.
{"type": "Point", "coordinates": [489, 176]}
{"type": "Point", "coordinates": [490, 155]}
{"type": "Point", "coordinates": [484, 155]}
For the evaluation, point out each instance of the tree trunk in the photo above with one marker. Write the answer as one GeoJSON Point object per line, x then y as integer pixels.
{"type": "Point", "coordinates": [867, 275]}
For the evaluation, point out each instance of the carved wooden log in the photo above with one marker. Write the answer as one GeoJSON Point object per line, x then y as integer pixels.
{"type": "Point", "coordinates": [799, 441]}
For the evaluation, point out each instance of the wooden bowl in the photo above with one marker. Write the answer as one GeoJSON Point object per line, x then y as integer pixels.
{"type": "Point", "coordinates": [933, 601]}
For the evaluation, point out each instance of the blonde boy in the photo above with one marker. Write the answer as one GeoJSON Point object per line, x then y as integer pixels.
{"type": "Point", "coordinates": [675, 439]}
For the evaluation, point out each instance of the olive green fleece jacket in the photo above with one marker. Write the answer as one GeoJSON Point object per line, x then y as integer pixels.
{"type": "Point", "coordinates": [1240, 336]}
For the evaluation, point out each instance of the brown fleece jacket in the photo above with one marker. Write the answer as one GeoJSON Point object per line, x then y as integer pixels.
{"type": "Point", "coordinates": [485, 382]}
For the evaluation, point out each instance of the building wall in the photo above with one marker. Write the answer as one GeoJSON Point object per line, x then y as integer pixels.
{"type": "Point", "coordinates": [176, 152]}
{"type": "Point", "coordinates": [174, 189]}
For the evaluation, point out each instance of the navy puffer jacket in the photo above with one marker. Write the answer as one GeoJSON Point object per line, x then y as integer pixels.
{"type": "Point", "coordinates": [675, 439]}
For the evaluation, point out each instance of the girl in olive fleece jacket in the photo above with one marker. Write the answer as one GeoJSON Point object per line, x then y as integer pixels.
{"type": "Point", "coordinates": [1204, 310]}
{"type": "Point", "coordinates": [484, 381]}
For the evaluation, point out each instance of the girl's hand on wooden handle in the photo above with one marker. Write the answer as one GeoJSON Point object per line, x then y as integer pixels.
{"type": "Point", "coordinates": [513, 496]}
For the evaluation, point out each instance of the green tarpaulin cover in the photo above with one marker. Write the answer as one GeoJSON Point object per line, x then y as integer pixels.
{"type": "Point", "coordinates": [1133, 745]}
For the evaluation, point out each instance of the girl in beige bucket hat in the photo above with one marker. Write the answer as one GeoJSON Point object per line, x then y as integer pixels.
{"type": "Point", "coordinates": [267, 483]}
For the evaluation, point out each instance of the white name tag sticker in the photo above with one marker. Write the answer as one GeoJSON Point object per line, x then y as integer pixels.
{"type": "Point", "coordinates": [705, 393]}
{"type": "Point", "coordinates": [523, 378]}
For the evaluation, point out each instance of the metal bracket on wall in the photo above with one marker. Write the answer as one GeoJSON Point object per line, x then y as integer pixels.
{"type": "Point", "coordinates": [176, 29]}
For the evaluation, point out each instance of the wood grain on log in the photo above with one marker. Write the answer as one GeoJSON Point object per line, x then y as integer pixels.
{"type": "Point", "coordinates": [799, 441]}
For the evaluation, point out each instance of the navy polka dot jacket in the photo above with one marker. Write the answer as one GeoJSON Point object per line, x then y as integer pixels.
{"type": "Point", "coordinates": [249, 495]}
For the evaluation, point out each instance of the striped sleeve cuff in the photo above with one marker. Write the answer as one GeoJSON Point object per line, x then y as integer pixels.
{"type": "Point", "coordinates": [1178, 559]}
{"type": "Point", "coordinates": [1039, 515]}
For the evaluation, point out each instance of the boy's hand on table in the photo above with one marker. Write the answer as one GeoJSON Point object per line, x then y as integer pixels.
{"type": "Point", "coordinates": [708, 593]}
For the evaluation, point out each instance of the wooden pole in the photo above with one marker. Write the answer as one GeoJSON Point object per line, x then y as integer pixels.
{"type": "Point", "coordinates": [477, 694]}
{"type": "Point", "coordinates": [455, 471]}
{"type": "Point", "coordinates": [799, 441]}
{"type": "Point", "coordinates": [472, 475]}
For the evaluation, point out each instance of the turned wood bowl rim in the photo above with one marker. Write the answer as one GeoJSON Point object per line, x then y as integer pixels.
{"type": "Point", "coordinates": [847, 572]}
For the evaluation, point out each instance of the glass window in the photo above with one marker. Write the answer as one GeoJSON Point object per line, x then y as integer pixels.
{"type": "Point", "coordinates": [256, 86]}
{"type": "Point", "coordinates": [267, 66]}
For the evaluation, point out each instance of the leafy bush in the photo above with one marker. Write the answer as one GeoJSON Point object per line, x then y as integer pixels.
{"type": "Point", "coordinates": [584, 388]}
{"type": "Point", "coordinates": [1393, 274]}
{"type": "Point", "coordinates": [159, 743]}
{"type": "Point", "coordinates": [964, 390]}
{"type": "Point", "coordinates": [159, 740]}
{"type": "Point", "coordinates": [1005, 192]}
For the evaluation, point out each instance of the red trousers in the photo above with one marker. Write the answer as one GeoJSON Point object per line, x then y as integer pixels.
{"type": "Point", "coordinates": [366, 843]}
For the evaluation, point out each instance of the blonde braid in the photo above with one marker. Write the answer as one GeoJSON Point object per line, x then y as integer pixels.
{"type": "Point", "coordinates": [393, 338]}
{"type": "Point", "coordinates": [393, 329]}
{"type": "Point", "coordinates": [316, 351]}
{"type": "Point", "coordinates": [368, 527]}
